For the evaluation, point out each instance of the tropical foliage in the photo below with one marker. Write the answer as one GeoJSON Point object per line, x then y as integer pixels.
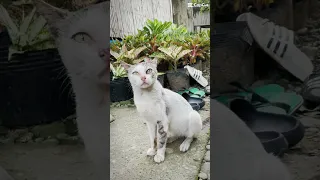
{"type": "Point", "coordinates": [27, 33]}
{"type": "Point", "coordinates": [165, 41]}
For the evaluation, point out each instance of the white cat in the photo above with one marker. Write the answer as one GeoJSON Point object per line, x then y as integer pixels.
{"type": "Point", "coordinates": [236, 153]}
{"type": "Point", "coordinates": [82, 38]}
{"type": "Point", "coordinates": [166, 113]}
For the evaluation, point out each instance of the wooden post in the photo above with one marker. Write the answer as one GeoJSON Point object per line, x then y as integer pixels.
{"type": "Point", "coordinates": [180, 14]}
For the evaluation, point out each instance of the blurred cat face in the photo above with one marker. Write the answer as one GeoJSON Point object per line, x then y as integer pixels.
{"type": "Point", "coordinates": [143, 75]}
{"type": "Point", "coordinates": [83, 39]}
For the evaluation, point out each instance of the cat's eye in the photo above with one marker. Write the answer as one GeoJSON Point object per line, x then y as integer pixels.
{"type": "Point", "coordinates": [135, 73]}
{"type": "Point", "coordinates": [149, 71]}
{"type": "Point", "coordinates": [82, 37]}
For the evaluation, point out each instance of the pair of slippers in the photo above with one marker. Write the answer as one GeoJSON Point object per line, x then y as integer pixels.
{"type": "Point", "coordinates": [194, 97]}
{"type": "Point", "coordinates": [268, 114]}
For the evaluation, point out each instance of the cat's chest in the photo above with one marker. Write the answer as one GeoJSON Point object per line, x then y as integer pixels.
{"type": "Point", "coordinates": [147, 106]}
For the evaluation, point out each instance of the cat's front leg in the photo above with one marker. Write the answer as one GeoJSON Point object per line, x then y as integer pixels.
{"type": "Point", "coordinates": [162, 140]}
{"type": "Point", "coordinates": [152, 135]}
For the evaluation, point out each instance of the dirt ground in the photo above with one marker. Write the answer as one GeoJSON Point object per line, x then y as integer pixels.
{"type": "Point", "coordinates": [46, 162]}
{"type": "Point", "coordinates": [304, 159]}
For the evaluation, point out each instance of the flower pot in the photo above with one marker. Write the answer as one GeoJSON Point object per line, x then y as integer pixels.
{"type": "Point", "coordinates": [161, 79]}
{"type": "Point", "coordinates": [232, 56]}
{"type": "Point", "coordinates": [178, 80]}
{"type": "Point", "coordinates": [120, 90]}
{"type": "Point", "coordinates": [163, 66]}
{"type": "Point", "coordinates": [34, 89]}
{"type": "Point", "coordinates": [4, 45]}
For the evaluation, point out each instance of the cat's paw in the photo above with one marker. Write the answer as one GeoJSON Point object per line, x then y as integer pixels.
{"type": "Point", "coordinates": [184, 146]}
{"type": "Point", "coordinates": [158, 158]}
{"type": "Point", "coordinates": [151, 152]}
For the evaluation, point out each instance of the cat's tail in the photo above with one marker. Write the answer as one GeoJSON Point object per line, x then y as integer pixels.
{"type": "Point", "coordinates": [195, 123]}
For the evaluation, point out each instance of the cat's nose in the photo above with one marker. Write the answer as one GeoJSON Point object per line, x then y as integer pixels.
{"type": "Point", "coordinates": [104, 54]}
{"type": "Point", "coordinates": [143, 78]}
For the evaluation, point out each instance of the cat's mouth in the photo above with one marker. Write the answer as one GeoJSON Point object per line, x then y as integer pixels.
{"type": "Point", "coordinates": [144, 84]}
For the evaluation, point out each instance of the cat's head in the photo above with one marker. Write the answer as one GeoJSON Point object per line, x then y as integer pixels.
{"type": "Point", "coordinates": [142, 75]}
{"type": "Point", "coordinates": [82, 38]}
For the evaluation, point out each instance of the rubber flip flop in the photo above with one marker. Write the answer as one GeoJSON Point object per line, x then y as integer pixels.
{"type": "Point", "coordinates": [195, 106]}
{"type": "Point", "coordinates": [193, 100]}
{"type": "Point", "coordinates": [197, 75]}
{"type": "Point", "coordinates": [195, 92]}
{"type": "Point", "coordinates": [272, 98]}
{"type": "Point", "coordinates": [273, 142]}
{"type": "Point", "coordinates": [183, 91]}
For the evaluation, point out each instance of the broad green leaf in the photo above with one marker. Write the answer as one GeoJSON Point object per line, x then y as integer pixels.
{"type": "Point", "coordinates": [176, 51]}
{"type": "Point", "coordinates": [36, 27]}
{"type": "Point", "coordinates": [26, 22]}
{"type": "Point", "coordinates": [6, 20]}
{"type": "Point", "coordinates": [124, 48]}
{"type": "Point", "coordinates": [182, 53]}
{"type": "Point", "coordinates": [167, 51]}
{"type": "Point", "coordinates": [114, 54]}
{"type": "Point", "coordinates": [136, 61]}
{"type": "Point", "coordinates": [138, 51]}
{"type": "Point", "coordinates": [159, 55]}
{"type": "Point", "coordinates": [129, 54]}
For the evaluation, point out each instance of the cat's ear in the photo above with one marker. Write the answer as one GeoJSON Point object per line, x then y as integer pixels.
{"type": "Point", "coordinates": [51, 14]}
{"type": "Point", "coordinates": [126, 66]}
{"type": "Point", "coordinates": [153, 61]}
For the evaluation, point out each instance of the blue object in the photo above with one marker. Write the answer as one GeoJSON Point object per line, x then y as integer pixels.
{"type": "Point", "coordinates": [113, 40]}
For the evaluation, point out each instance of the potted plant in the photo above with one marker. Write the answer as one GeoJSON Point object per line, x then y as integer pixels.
{"type": "Point", "coordinates": [4, 44]}
{"type": "Point", "coordinates": [30, 34]}
{"type": "Point", "coordinates": [32, 59]}
{"type": "Point", "coordinates": [120, 88]}
{"type": "Point", "coordinates": [177, 78]}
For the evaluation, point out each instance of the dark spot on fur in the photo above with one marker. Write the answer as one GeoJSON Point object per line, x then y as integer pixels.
{"type": "Point", "coordinates": [167, 111]}
{"type": "Point", "coordinates": [155, 142]}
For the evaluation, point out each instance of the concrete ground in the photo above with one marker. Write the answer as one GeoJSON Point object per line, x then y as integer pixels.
{"type": "Point", "coordinates": [129, 142]}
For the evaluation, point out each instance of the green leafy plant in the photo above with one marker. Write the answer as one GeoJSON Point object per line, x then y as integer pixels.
{"type": "Point", "coordinates": [155, 28]}
{"type": "Point", "coordinates": [128, 56]}
{"type": "Point", "coordinates": [28, 34]}
{"type": "Point", "coordinates": [199, 44]}
{"type": "Point", "coordinates": [172, 54]}
{"type": "Point", "coordinates": [118, 72]}
{"type": "Point", "coordinates": [165, 41]}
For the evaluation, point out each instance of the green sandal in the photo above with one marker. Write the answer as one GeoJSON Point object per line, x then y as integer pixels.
{"type": "Point", "coordinates": [273, 99]}
{"type": "Point", "coordinates": [193, 92]}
